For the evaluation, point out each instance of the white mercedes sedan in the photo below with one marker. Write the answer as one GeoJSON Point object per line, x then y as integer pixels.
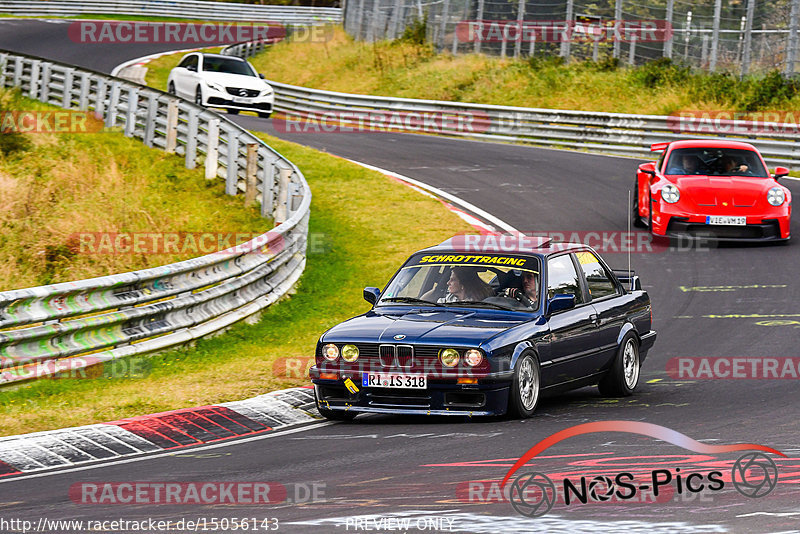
{"type": "Point", "coordinates": [214, 80]}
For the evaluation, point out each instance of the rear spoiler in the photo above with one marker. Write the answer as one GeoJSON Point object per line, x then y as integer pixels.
{"type": "Point", "coordinates": [658, 147]}
{"type": "Point", "coordinates": [629, 279]}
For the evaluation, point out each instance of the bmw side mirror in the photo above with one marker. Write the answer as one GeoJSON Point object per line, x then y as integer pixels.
{"type": "Point", "coordinates": [262, 76]}
{"type": "Point", "coordinates": [371, 294]}
{"type": "Point", "coordinates": [780, 172]}
{"type": "Point", "coordinates": [560, 302]}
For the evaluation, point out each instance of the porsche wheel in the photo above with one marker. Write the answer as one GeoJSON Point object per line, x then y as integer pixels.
{"type": "Point", "coordinates": [623, 377]}
{"type": "Point", "coordinates": [525, 387]}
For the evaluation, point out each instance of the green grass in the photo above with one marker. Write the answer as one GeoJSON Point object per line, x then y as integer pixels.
{"type": "Point", "coordinates": [404, 68]}
{"type": "Point", "coordinates": [55, 188]}
{"type": "Point", "coordinates": [355, 245]}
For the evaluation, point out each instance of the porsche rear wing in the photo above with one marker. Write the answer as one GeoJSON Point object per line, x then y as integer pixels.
{"type": "Point", "coordinates": [658, 147]}
{"type": "Point", "coordinates": [628, 279]}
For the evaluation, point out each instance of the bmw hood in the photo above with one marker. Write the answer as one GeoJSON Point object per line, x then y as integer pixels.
{"type": "Point", "coordinates": [428, 327]}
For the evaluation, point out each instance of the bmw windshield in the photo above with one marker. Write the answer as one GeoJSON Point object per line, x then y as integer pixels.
{"type": "Point", "coordinates": [465, 280]}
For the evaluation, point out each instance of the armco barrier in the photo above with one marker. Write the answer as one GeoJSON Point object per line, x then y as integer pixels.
{"type": "Point", "coordinates": [607, 133]}
{"type": "Point", "coordinates": [72, 325]}
{"type": "Point", "coordinates": [186, 9]}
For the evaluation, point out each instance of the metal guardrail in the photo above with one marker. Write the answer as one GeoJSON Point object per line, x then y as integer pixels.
{"type": "Point", "coordinates": [607, 133]}
{"type": "Point", "coordinates": [174, 8]}
{"type": "Point", "coordinates": [72, 325]}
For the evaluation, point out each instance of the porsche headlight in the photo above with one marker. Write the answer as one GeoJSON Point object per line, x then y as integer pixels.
{"type": "Point", "coordinates": [350, 353]}
{"type": "Point", "coordinates": [776, 196]}
{"type": "Point", "coordinates": [473, 357]}
{"type": "Point", "coordinates": [449, 357]}
{"type": "Point", "coordinates": [330, 352]}
{"type": "Point", "coordinates": [670, 194]}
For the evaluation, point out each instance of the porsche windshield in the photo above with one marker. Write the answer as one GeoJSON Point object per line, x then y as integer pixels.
{"type": "Point", "coordinates": [482, 281]}
{"type": "Point", "coordinates": [715, 162]}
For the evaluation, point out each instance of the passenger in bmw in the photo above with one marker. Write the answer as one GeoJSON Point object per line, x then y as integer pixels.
{"type": "Point", "coordinates": [465, 284]}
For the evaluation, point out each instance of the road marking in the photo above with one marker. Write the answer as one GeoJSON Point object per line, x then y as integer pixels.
{"type": "Point", "coordinates": [231, 443]}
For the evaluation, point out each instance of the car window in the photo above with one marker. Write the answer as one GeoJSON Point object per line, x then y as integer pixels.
{"type": "Point", "coordinates": [661, 160]}
{"type": "Point", "coordinates": [562, 278]}
{"type": "Point", "coordinates": [480, 280]}
{"type": "Point", "coordinates": [597, 279]}
{"type": "Point", "coordinates": [714, 161]}
{"type": "Point", "coordinates": [190, 61]}
{"type": "Point", "coordinates": [226, 65]}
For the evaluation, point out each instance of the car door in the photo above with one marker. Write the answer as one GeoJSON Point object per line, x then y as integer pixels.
{"type": "Point", "coordinates": [572, 331]}
{"type": "Point", "coordinates": [609, 308]}
{"type": "Point", "coordinates": [186, 77]}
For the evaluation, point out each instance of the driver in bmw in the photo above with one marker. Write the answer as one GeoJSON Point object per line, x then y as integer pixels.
{"type": "Point", "coordinates": [529, 294]}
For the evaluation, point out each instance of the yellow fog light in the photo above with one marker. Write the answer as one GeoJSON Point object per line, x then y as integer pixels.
{"type": "Point", "coordinates": [331, 352]}
{"type": "Point", "coordinates": [449, 357]}
{"type": "Point", "coordinates": [350, 353]}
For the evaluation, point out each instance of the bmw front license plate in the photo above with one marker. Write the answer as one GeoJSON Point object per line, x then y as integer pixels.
{"type": "Point", "coordinates": [241, 99]}
{"type": "Point", "coordinates": [393, 380]}
{"type": "Point", "coordinates": [732, 221]}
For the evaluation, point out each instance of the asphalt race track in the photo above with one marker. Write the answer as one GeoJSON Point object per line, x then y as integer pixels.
{"type": "Point", "coordinates": [731, 301]}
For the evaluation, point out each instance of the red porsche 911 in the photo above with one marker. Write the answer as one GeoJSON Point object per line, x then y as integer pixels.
{"type": "Point", "coordinates": [711, 189]}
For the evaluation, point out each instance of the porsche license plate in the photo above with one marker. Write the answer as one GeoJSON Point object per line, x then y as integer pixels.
{"type": "Point", "coordinates": [731, 221]}
{"type": "Point", "coordinates": [394, 380]}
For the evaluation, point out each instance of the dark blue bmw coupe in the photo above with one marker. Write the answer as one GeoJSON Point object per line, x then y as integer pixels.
{"type": "Point", "coordinates": [483, 325]}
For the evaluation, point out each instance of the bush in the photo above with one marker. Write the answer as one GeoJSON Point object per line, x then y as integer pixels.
{"type": "Point", "coordinates": [660, 72]}
{"type": "Point", "coordinates": [416, 32]}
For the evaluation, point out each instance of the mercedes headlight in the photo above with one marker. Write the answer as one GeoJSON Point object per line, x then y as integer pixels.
{"type": "Point", "coordinates": [215, 86]}
{"type": "Point", "coordinates": [266, 91]}
{"type": "Point", "coordinates": [776, 196]}
{"type": "Point", "coordinates": [330, 352]}
{"type": "Point", "coordinates": [449, 357]}
{"type": "Point", "coordinates": [350, 353]}
{"type": "Point", "coordinates": [670, 194]}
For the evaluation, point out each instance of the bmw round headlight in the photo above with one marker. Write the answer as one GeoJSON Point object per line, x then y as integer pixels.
{"type": "Point", "coordinates": [670, 194]}
{"type": "Point", "coordinates": [449, 357]}
{"type": "Point", "coordinates": [776, 196]}
{"type": "Point", "coordinates": [473, 357]}
{"type": "Point", "coordinates": [350, 353]}
{"type": "Point", "coordinates": [330, 352]}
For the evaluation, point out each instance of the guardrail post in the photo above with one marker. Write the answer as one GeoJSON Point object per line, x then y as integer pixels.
{"type": "Point", "coordinates": [172, 126]}
{"type": "Point", "coordinates": [66, 96]}
{"type": "Point", "coordinates": [282, 208]}
{"type": "Point", "coordinates": [150, 123]}
{"type": "Point", "coordinates": [191, 138]}
{"type": "Point", "coordinates": [212, 151]}
{"type": "Point", "coordinates": [232, 175]}
{"type": "Point", "coordinates": [33, 90]}
{"type": "Point", "coordinates": [100, 99]}
{"type": "Point", "coordinates": [267, 190]}
{"type": "Point", "coordinates": [44, 93]}
{"type": "Point", "coordinates": [83, 96]}
{"type": "Point", "coordinates": [113, 104]}
{"type": "Point", "coordinates": [130, 116]}
{"type": "Point", "coordinates": [18, 72]}
{"type": "Point", "coordinates": [251, 178]}
{"type": "Point", "coordinates": [3, 63]}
